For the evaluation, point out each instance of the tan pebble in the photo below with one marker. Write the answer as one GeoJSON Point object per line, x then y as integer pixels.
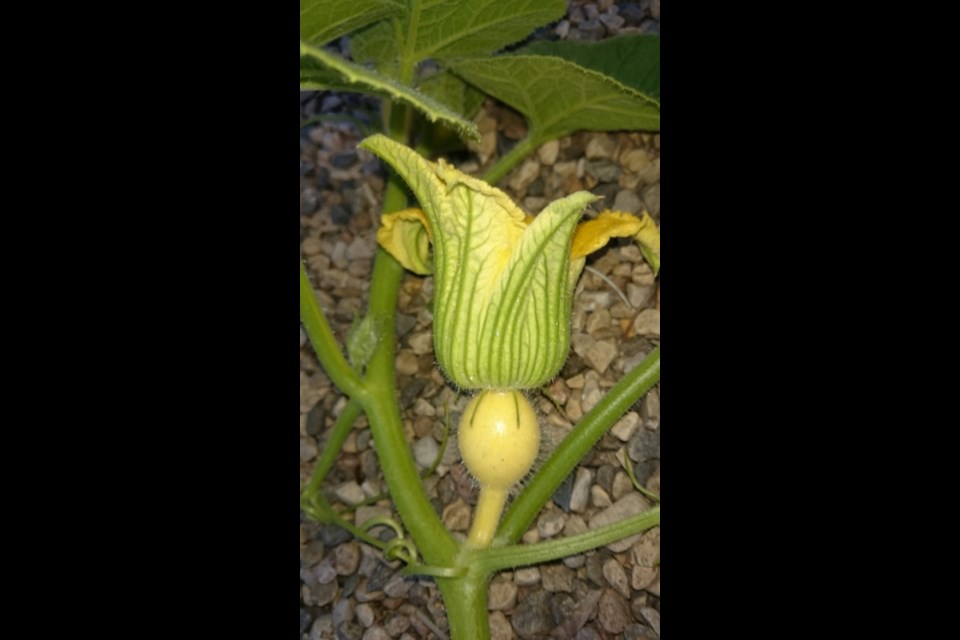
{"type": "Point", "coordinates": [622, 270]}
{"type": "Point", "coordinates": [575, 525]}
{"type": "Point", "coordinates": [423, 408]}
{"type": "Point", "coordinates": [626, 426]}
{"type": "Point", "coordinates": [599, 497]}
{"type": "Point", "coordinates": [642, 577]}
{"type": "Point", "coordinates": [599, 357]}
{"type": "Point", "coordinates": [616, 577]}
{"type": "Point", "coordinates": [628, 180]}
{"type": "Point", "coordinates": [619, 311]}
{"type": "Point", "coordinates": [502, 595]}
{"type": "Point", "coordinates": [636, 161]}
{"type": "Point", "coordinates": [600, 146]}
{"type": "Point", "coordinates": [421, 342]}
{"type": "Point", "coordinates": [576, 382]}
{"type": "Point", "coordinates": [350, 444]}
{"type": "Point", "coordinates": [527, 576]}
{"type": "Point", "coordinates": [312, 246]}
{"type": "Point", "coordinates": [622, 485]}
{"type": "Point", "coordinates": [360, 249]}
{"type": "Point", "coordinates": [597, 320]}
{"type": "Point", "coordinates": [407, 362]}
{"type": "Point", "coordinates": [573, 407]}
{"type": "Point", "coordinates": [654, 588]}
{"type": "Point", "coordinates": [558, 391]}
{"type": "Point", "coordinates": [613, 612]}
{"type": "Point", "coordinates": [500, 628]}
{"type": "Point", "coordinates": [647, 323]}
{"type": "Point", "coordinates": [456, 516]}
{"type": "Point", "coordinates": [527, 173]}
{"type": "Point", "coordinates": [646, 551]}
{"type": "Point", "coordinates": [548, 152]}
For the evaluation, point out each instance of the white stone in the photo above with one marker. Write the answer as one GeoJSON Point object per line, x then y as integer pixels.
{"type": "Point", "coordinates": [580, 495]}
{"type": "Point", "coordinates": [425, 451]}
{"type": "Point", "coordinates": [350, 493]}
{"type": "Point", "coordinates": [626, 426]}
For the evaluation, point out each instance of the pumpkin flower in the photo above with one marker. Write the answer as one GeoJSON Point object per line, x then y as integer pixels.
{"type": "Point", "coordinates": [503, 280]}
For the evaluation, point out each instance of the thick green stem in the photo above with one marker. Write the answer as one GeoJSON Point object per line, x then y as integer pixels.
{"type": "Point", "coordinates": [324, 343]}
{"type": "Point", "coordinates": [465, 599]}
{"type": "Point", "coordinates": [514, 157]}
{"type": "Point", "coordinates": [380, 404]}
{"type": "Point", "coordinates": [576, 445]}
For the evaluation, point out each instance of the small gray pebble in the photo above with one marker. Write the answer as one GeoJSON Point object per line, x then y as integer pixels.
{"type": "Point", "coordinates": [650, 26]}
{"type": "Point", "coordinates": [613, 612]}
{"type": "Point", "coordinates": [345, 159]}
{"type": "Point", "coordinates": [627, 200]}
{"type": "Point", "coordinates": [365, 614]}
{"type": "Point", "coordinates": [322, 594]}
{"type": "Point", "coordinates": [349, 631]}
{"type": "Point", "coordinates": [639, 632]}
{"type": "Point", "coordinates": [634, 12]}
{"type": "Point", "coordinates": [592, 29]}
{"type": "Point", "coordinates": [322, 628]}
{"type": "Point", "coordinates": [532, 617]}
{"type": "Point", "coordinates": [397, 624]}
{"type": "Point", "coordinates": [308, 202]}
{"type": "Point", "coordinates": [323, 178]}
{"type": "Point", "coordinates": [342, 612]}
{"type": "Point", "coordinates": [340, 214]}
{"type": "Point", "coordinates": [376, 633]}
{"type": "Point", "coordinates": [603, 170]}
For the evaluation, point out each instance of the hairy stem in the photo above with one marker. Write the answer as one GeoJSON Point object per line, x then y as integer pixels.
{"type": "Point", "coordinates": [381, 406]}
{"type": "Point", "coordinates": [520, 555]}
{"type": "Point", "coordinates": [332, 447]}
{"type": "Point", "coordinates": [323, 341]}
{"type": "Point", "coordinates": [465, 599]}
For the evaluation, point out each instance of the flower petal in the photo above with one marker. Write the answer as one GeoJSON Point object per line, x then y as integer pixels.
{"type": "Point", "coordinates": [528, 316]}
{"type": "Point", "coordinates": [406, 236]}
{"type": "Point", "coordinates": [595, 234]}
{"type": "Point", "coordinates": [501, 316]}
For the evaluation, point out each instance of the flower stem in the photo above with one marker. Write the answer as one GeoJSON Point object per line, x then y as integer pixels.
{"type": "Point", "coordinates": [486, 516]}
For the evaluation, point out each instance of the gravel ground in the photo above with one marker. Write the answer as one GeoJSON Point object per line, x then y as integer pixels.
{"type": "Point", "coordinates": [346, 589]}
